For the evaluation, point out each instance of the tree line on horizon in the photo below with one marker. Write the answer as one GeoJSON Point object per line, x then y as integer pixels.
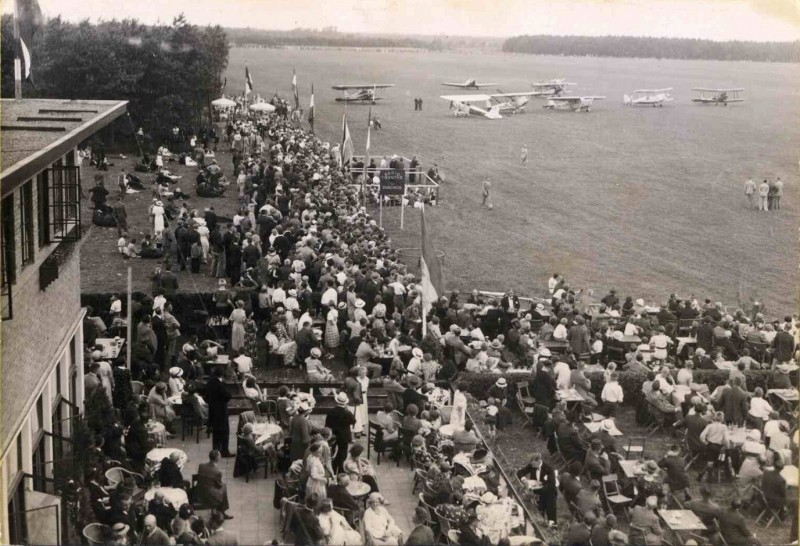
{"type": "Point", "coordinates": [168, 73]}
{"type": "Point", "coordinates": [659, 48]}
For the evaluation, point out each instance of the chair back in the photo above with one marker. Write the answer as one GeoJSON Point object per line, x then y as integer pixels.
{"type": "Point", "coordinates": [115, 476]}
{"type": "Point", "coordinates": [445, 412]}
{"type": "Point", "coordinates": [137, 387]}
{"type": "Point", "coordinates": [96, 533]}
{"type": "Point", "coordinates": [272, 410]}
{"type": "Point", "coordinates": [610, 485]}
{"type": "Point", "coordinates": [244, 418]}
{"type": "Point", "coordinates": [523, 389]}
{"type": "Point", "coordinates": [637, 535]}
{"type": "Point", "coordinates": [376, 435]}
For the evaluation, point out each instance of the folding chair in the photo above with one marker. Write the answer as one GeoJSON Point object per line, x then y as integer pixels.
{"type": "Point", "coordinates": [524, 393]}
{"type": "Point", "coordinates": [559, 459]}
{"type": "Point", "coordinates": [636, 447]}
{"type": "Point", "coordinates": [252, 462]}
{"type": "Point", "coordinates": [718, 530]}
{"type": "Point", "coordinates": [641, 533]}
{"type": "Point", "coordinates": [658, 419]}
{"type": "Point", "coordinates": [613, 495]}
{"type": "Point", "coordinates": [420, 477]}
{"type": "Point", "coordinates": [190, 421]}
{"type": "Point", "coordinates": [690, 457]}
{"type": "Point", "coordinates": [767, 511]}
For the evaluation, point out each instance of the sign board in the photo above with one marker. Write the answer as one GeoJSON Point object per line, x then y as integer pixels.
{"type": "Point", "coordinates": [393, 182]}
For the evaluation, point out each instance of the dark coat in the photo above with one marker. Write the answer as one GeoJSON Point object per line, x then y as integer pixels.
{"type": "Point", "coordinates": [339, 420]}
{"type": "Point", "coordinates": [733, 403]}
{"type": "Point", "coordinates": [543, 389]}
{"type": "Point", "coordinates": [677, 477]}
{"type": "Point", "coordinates": [342, 498]}
{"type": "Point", "coordinates": [211, 490]}
{"type": "Point", "coordinates": [217, 398]}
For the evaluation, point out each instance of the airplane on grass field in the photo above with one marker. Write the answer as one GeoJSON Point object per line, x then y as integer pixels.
{"type": "Point", "coordinates": [576, 104]}
{"type": "Point", "coordinates": [552, 88]}
{"type": "Point", "coordinates": [717, 96]}
{"type": "Point", "coordinates": [648, 97]}
{"type": "Point", "coordinates": [489, 106]}
{"type": "Point", "coordinates": [364, 93]}
{"type": "Point", "coordinates": [469, 84]}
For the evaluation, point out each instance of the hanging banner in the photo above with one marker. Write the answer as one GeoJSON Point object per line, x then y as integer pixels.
{"type": "Point", "coordinates": [393, 182]}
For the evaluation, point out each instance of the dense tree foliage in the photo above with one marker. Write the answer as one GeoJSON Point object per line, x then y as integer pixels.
{"type": "Point", "coordinates": [168, 73]}
{"type": "Point", "coordinates": [667, 48]}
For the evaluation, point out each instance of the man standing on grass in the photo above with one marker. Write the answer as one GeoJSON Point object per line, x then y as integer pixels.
{"type": "Point", "coordinates": [776, 199]}
{"type": "Point", "coordinates": [750, 192]}
{"type": "Point", "coordinates": [487, 186]}
{"type": "Point", "coordinates": [523, 153]}
{"type": "Point", "coordinates": [763, 193]}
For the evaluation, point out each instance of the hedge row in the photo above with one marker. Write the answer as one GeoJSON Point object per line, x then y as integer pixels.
{"type": "Point", "coordinates": [478, 384]}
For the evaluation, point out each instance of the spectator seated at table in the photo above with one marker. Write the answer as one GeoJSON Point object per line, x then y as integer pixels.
{"type": "Point", "coordinates": [780, 442]}
{"type": "Point", "coordinates": [588, 499]}
{"type": "Point", "coordinates": [335, 527]}
{"type": "Point", "coordinates": [420, 454]}
{"type": "Point", "coordinates": [153, 534]}
{"type": "Point", "coordinates": [733, 525]}
{"type": "Point", "coordinates": [597, 463]}
{"type": "Point", "coordinates": [644, 520]}
{"type": "Point", "coordinates": [440, 489]}
{"type": "Point", "coordinates": [571, 443]}
{"type": "Point", "coordinates": [651, 482]}
{"type": "Point", "coordinates": [773, 484]}
{"type": "Point", "coordinates": [676, 476]}
{"type": "Point", "coordinates": [749, 475]}
{"type": "Point", "coordinates": [211, 489]}
{"type": "Point", "coordinates": [659, 402]}
{"type": "Point", "coordinates": [466, 439]}
{"type": "Point", "coordinates": [161, 509]}
{"type": "Point", "coordinates": [169, 473]}
{"type": "Point", "coordinates": [192, 397]}
{"type": "Point", "coordinates": [160, 407]}
{"type": "Point", "coordinates": [706, 509]}
{"type": "Point", "coordinates": [380, 524]}
{"type": "Point", "coordinates": [341, 497]}
{"type": "Point", "coordinates": [780, 377]}
{"type": "Point", "coordinates": [635, 364]}
{"type": "Point", "coordinates": [359, 468]}
{"type": "Point", "coordinates": [387, 423]}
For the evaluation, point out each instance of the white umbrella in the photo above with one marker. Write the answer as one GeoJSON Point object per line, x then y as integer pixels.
{"type": "Point", "coordinates": [223, 102]}
{"type": "Point", "coordinates": [262, 107]}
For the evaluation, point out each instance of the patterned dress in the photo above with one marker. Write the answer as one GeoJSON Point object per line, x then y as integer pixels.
{"type": "Point", "coordinates": [123, 392]}
{"type": "Point", "coordinates": [250, 339]}
{"type": "Point", "coordinates": [332, 329]}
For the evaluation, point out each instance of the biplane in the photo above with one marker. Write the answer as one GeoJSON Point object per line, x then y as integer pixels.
{"type": "Point", "coordinates": [648, 97]}
{"type": "Point", "coordinates": [576, 104]}
{"type": "Point", "coordinates": [552, 88]}
{"type": "Point", "coordinates": [469, 84]}
{"type": "Point", "coordinates": [364, 93]}
{"type": "Point", "coordinates": [717, 96]}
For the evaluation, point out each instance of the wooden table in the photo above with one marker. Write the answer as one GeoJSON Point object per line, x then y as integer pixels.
{"type": "Point", "coordinates": [679, 521]}
{"type": "Point", "coordinates": [790, 474]}
{"type": "Point", "coordinates": [594, 427]}
{"type": "Point", "coordinates": [631, 469]}
{"type": "Point", "coordinates": [784, 400]}
{"type": "Point", "coordinates": [267, 432]}
{"type": "Point", "coordinates": [569, 396]}
{"type": "Point", "coordinates": [155, 456]}
{"type": "Point", "coordinates": [111, 347]}
{"type": "Point", "coordinates": [630, 339]}
{"type": "Point", "coordinates": [222, 361]}
{"type": "Point", "coordinates": [555, 346]}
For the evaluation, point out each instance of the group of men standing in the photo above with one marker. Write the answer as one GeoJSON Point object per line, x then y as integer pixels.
{"type": "Point", "coordinates": [766, 196]}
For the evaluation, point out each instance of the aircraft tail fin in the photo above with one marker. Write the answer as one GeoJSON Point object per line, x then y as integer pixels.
{"type": "Point", "coordinates": [626, 99]}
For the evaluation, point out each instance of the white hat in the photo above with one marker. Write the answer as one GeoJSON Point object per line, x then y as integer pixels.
{"type": "Point", "coordinates": [342, 399]}
{"type": "Point", "coordinates": [303, 407]}
{"type": "Point", "coordinates": [608, 425]}
{"type": "Point", "coordinates": [97, 355]}
{"type": "Point", "coordinates": [539, 307]}
{"type": "Point", "coordinates": [292, 292]}
{"type": "Point", "coordinates": [491, 410]}
{"type": "Point", "coordinates": [501, 382]}
{"type": "Point", "coordinates": [545, 352]}
{"type": "Point", "coordinates": [640, 302]}
{"type": "Point", "coordinates": [488, 498]}
{"type": "Point", "coordinates": [416, 351]}
{"type": "Point", "coordinates": [315, 352]}
{"type": "Point", "coordinates": [360, 303]}
{"type": "Point", "coordinates": [175, 371]}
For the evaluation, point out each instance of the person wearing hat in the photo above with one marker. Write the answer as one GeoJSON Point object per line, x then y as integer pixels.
{"type": "Point", "coordinates": [380, 523]}
{"type": "Point", "coordinates": [597, 462]}
{"type": "Point", "coordinates": [315, 369]}
{"type": "Point", "coordinates": [300, 431]}
{"type": "Point", "coordinates": [780, 377]}
{"type": "Point", "coordinates": [160, 407]}
{"type": "Point", "coordinates": [499, 391]}
{"type": "Point", "coordinates": [471, 534]}
{"type": "Point", "coordinates": [341, 420]}
{"type": "Point", "coordinates": [544, 386]}
{"type": "Point", "coordinates": [176, 381]}
{"type": "Point", "coordinates": [122, 517]}
{"type": "Point", "coordinates": [422, 534]}
{"type": "Point", "coordinates": [411, 395]}
{"type": "Point", "coordinates": [644, 520]}
{"type": "Point", "coordinates": [415, 364]}
{"type": "Point", "coordinates": [120, 533]}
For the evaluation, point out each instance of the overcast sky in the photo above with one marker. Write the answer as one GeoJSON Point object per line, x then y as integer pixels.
{"type": "Point", "coordinates": [760, 20]}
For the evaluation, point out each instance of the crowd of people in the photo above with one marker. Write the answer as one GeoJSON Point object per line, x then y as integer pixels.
{"type": "Point", "coordinates": [305, 267]}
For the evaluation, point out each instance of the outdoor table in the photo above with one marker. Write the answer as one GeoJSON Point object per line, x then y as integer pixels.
{"type": "Point", "coordinates": [650, 310]}
{"type": "Point", "coordinates": [446, 430]}
{"type": "Point", "coordinates": [738, 436]}
{"type": "Point", "coordinates": [789, 474]}
{"type": "Point", "coordinates": [358, 489]}
{"type": "Point", "coordinates": [157, 432]}
{"type": "Point", "coordinates": [111, 347]}
{"type": "Point", "coordinates": [175, 400]}
{"type": "Point", "coordinates": [784, 400]}
{"type": "Point", "coordinates": [679, 521]}
{"type": "Point", "coordinates": [631, 469]}
{"type": "Point", "coordinates": [173, 495]}
{"type": "Point", "coordinates": [155, 456]}
{"type": "Point", "coordinates": [594, 427]}
{"type": "Point", "coordinates": [220, 361]}
{"type": "Point", "coordinates": [569, 396]}
{"type": "Point", "coordinates": [630, 339]}
{"type": "Point", "coordinates": [267, 432]}
{"type": "Point", "coordinates": [498, 519]}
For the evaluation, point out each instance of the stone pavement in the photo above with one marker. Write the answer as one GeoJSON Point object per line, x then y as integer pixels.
{"type": "Point", "coordinates": [256, 521]}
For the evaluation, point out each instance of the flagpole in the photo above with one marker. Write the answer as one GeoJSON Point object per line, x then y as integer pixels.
{"type": "Point", "coordinates": [422, 292]}
{"type": "Point", "coordinates": [380, 209]}
{"type": "Point", "coordinates": [17, 60]}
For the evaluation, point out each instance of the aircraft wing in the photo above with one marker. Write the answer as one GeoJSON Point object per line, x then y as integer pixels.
{"type": "Point", "coordinates": [466, 98]}
{"type": "Point", "coordinates": [364, 86]}
{"type": "Point", "coordinates": [716, 90]}
{"type": "Point", "coordinates": [653, 90]}
{"type": "Point", "coordinates": [565, 99]}
{"type": "Point", "coordinates": [523, 94]}
{"type": "Point", "coordinates": [452, 84]}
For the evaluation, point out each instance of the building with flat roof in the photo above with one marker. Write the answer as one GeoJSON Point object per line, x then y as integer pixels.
{"type": "Point", "coordinates": [41, 379]}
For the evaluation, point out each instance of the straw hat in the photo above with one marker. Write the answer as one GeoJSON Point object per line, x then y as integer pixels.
{"type": "Point", "coordinates": [175, 371]}
{"type": "Point", "coordinates": [316, 353]}
{"type": "Point", "coordinates": [342, 399]}
{"type": "Point", "coordinates": [502, 383]}
{"type": "Point", "coordinates": [416, 351]}
{"type": "Point", "coordinates": [360, 303]}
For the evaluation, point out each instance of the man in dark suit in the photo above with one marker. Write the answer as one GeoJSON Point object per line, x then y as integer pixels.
{"type": "Point", "coordinates": [705, 335]}
{"type": "Point", "coordinates": [597, 464]}
{"type": "Point", "coordinates": [211, 218]}
{"type": "Point", "coordinates": [122, 512]}
{"type": "Point", "coordinates": [211, 490]}
{"type": "Point", "coordinates": [492, 323]}
{"type": "Point", "coordinates": [695, 424]}
{"type": "Point", "coordinates": [677, 477]}
{"type": "Point", "coordinates": [774, 487]}
{"type": "Point", "coordinates": [339, 420]}
{"type": "Point", "coordinates": [300, 431]}
{"type": "Point", "coordinates": [537, 471]}
{"type": "Point", "coordinates": [217, 397]}
{"type": "Point", "coordinates": [305, 524]}
{"type": "Point", "coordinates": [734, 526]}
{"type": "Point", "coordinates": [733, 403]}
{"type": "Point", "coordinates": [783, 345]}
{"type": "Point", "coordinates": [169, 282]}
{"type": "Point", "coordinates": [570, 442]}
{"type": "Point", "coordinates": [544, 386]}
{"type": "Point", "coordinates": [470, 535]}
{"type": "Point", "coordinates": [340, 496]}
{"type": "Point", "coordinates": [580, 532]}
{"type": "Point", "coordinates": [169, 475]}
{"type": "Point", "coordinates": [422, 534]}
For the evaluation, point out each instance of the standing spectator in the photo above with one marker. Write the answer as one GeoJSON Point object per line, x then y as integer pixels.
{"type": "Point", "coordinates": [211, 490]}
{"type": "Point", "coordinates": [340, 420]}
{"type": "Point", "coordinates": [121, 216]}
{"type": "Point", "coordinates": [487, 187]}
{"type": "Point", "coordinates": [763, 194]}
{"type": "Point", "coordinates": [749, 192]}
{"type": "Point", "coordinates": [217, 398]}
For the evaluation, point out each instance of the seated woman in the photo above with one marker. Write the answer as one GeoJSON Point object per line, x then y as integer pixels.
{"type": "Point", "coordinates": [176, 382]}
{"type": "Point", "coordinates": [191, 397]}
{"type": "Point", "coordinates": [253, 392]}
{"type": "Point", "coordinates": [359, 468]}
{"type": "Point", "coordinates": [252, 450]}
{"type": "Point", "coordinates": [380, 524]}
{"type": "Point", "coordinates": [335, 528]}
{"type": "Point", "coordinates": [158, 405]}
{"type": "Point", "coordinates": [315, 370]}
{"type": "Point", "coordinates": [390, 427]}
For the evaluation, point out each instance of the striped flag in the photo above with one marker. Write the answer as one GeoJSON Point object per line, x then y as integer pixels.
{"type": "Point", "coordinates": [29, 19]}
{"type": "Point", "coordinates": [347, 142]}
{"type": "Point", "coordinates": [294, 89]}
{"type": "Point", "coordinates": [430, 270]}
{"type": "Point", "coordinates": [248, 81]}
{"type": "Point", "coordinates": [311, 109]}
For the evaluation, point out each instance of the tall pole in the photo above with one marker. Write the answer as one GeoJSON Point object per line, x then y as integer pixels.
{"type": "Point", "coordinates": [129, 319]}
{"type": "Point", "coordinates": [17, 53]}
{"type": "Point", "coordinates": [402, 206]}
{"type": "Point", "coordinates": [422, 292]}
{"type": "Point", "coordinates": [380, 210]}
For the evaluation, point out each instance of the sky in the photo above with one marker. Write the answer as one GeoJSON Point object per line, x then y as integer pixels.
{"type": "Point", "coordinates": [757, 20]}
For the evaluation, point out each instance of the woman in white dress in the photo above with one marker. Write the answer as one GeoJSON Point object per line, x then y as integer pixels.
{"type": "Point", "coordinates": [380, 523]}
{"type": "Point", "coordinates": [237, 318]}
{"type": "Point", "coordinates": [203, 231]}
{"type": "Point", "coordinates": [176, 382]}
{"type": "Point", "coordinates": [317, 482]}
{"type": "Point", "coordinates": [336, 530]}
{"type": "Point", "coordinates": [362, 410]}
{"type": "Point", "coordinates": [158, 218]}
{"type": "Point", "coordinates": [459, 414]}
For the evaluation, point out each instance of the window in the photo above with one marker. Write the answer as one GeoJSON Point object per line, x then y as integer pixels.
{"type": "Point", "coordinates": [26, 222]}
{"type": "Point", "coordinates": [63, 202]}
{"type": "Point", "coordinates": [43, 198]}
{"type": "Point", "coordinates": [7, 241]}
